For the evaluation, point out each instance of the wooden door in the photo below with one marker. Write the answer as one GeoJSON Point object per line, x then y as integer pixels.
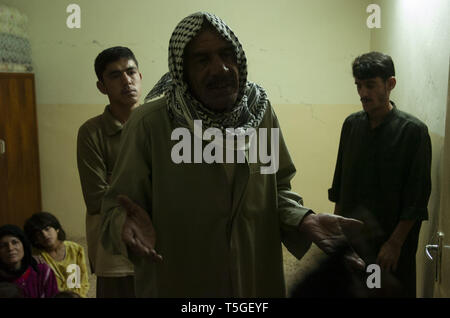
{"type": "Point", "coordinates": [20, 190]}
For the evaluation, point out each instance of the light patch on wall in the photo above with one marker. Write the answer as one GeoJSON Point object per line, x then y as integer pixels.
{"type": "Point", "coordinates": [415, 33]}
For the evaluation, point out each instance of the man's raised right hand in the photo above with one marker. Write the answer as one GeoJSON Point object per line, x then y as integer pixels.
{"type": "Point", "coordinates": [138, 232]}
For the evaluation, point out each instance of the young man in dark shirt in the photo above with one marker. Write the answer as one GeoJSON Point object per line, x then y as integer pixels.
{"type": "Point", "coordinates": [382, 174]}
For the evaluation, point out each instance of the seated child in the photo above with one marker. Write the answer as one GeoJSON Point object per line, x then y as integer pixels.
{"type": "Point", "coordinates": [66, 258]}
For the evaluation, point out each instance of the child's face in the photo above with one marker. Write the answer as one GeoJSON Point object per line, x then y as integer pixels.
{"type": "Point", "coordinates": [47, 237]}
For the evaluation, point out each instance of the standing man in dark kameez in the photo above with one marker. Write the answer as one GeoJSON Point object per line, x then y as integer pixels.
{"type": "Point", "coordinates": [382, 174]}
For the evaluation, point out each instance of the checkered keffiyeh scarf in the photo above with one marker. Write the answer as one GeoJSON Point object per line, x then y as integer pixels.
{"type": "Point", "coordinates": [252, 99]}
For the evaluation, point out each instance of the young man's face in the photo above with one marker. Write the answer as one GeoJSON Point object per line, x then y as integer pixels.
{"type": "Point", "coordinates": [374, 92]}
{"type": "Point", "coordinates": [211, 70]}
{"type": "Point", "coordinates": [121, 82]}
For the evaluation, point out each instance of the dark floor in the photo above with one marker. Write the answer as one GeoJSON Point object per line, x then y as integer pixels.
{"type": "Point", "coordinates": [293, 268]}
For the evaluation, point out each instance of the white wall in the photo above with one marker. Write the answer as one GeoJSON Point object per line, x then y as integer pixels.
{"type": "Point", "coordinates": [297, 49]}
{"type": "Point", "coordinates": [416, 34]}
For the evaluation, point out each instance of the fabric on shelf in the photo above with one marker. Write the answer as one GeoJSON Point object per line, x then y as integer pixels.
{"type": "Point", "coordinates": [15, 49]}
{"type": "Point", "coordinates": [9, 27]}
{"type": "Point", "coordinates": [13, 67]}
{"type": "Point", "coordinates": [12, 14]}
